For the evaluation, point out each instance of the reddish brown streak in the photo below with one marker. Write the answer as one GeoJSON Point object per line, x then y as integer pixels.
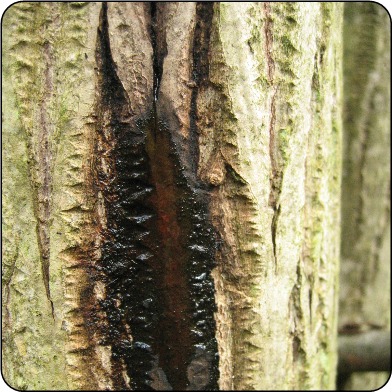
{"type": "Point", "coordinates": [170, 263]}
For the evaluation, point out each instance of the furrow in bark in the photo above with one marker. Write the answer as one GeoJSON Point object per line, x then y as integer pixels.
{"type": "Point", "coordinates": [44, 184]}
{"type": "Point", "coordinates": [276, 175]}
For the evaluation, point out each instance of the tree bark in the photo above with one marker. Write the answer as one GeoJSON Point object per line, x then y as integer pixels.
{"type": "Point", "coordinates": [365, 265]}
{"type": "Point", "coordinates": [171, 195]}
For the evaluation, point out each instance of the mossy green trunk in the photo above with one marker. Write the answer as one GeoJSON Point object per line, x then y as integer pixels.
{"type": "Point", "coordinates": [365, 244]}
{"type": "Point", "coordinates": [247, 99]}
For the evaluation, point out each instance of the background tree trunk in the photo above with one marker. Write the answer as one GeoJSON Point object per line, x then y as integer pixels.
{"type": "Point", "coordinates": [171, 195]}
{"type": "Point", "coordinates": [365, 244]}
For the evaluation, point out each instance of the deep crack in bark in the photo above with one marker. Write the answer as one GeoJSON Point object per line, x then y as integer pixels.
{"type": "Point", "coordinates": [43, 185]}
{"type": "Point", "coordinates": [276, 175]}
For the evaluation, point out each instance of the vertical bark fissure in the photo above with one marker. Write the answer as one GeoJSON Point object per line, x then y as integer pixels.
{"type": "Point", "coordinates": [276, 175]}
{"type": "Point", "coordinates": [172, 342]}
{"type": "Point", "coordinates": [158, 42]}
{"type": "Point", "coordinates": [268, 26]}
{"type": "Point", "coordinates": [44, 183]}
{"type": "Point", "coordinates": [186, 344]}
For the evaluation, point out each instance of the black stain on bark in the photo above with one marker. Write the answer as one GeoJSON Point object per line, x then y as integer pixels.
{"type": "Point", "coordinates": [158, 245]}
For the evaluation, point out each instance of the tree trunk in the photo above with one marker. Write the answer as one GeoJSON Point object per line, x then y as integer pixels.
{"type": "Point", "coordinates": [171, 195]}
{"type": "Point", "coordinates": [365, 245]}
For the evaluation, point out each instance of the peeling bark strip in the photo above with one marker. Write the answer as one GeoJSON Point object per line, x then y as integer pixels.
{"type": "Point", "coordinates": [156, 312]}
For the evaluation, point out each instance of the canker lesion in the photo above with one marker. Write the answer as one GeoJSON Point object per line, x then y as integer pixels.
{"type": "Point", "coordinates": [157, 248]}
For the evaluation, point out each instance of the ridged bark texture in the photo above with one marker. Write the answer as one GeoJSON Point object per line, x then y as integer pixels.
{"type": "Point", "coordinates": [365, 244]}
{"type": "Point", "coordinates": [48, 92]}
{"type": "Point", "coordinates": [270, 131]}
{"type": "Point", "coordinates": [171, 195]}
